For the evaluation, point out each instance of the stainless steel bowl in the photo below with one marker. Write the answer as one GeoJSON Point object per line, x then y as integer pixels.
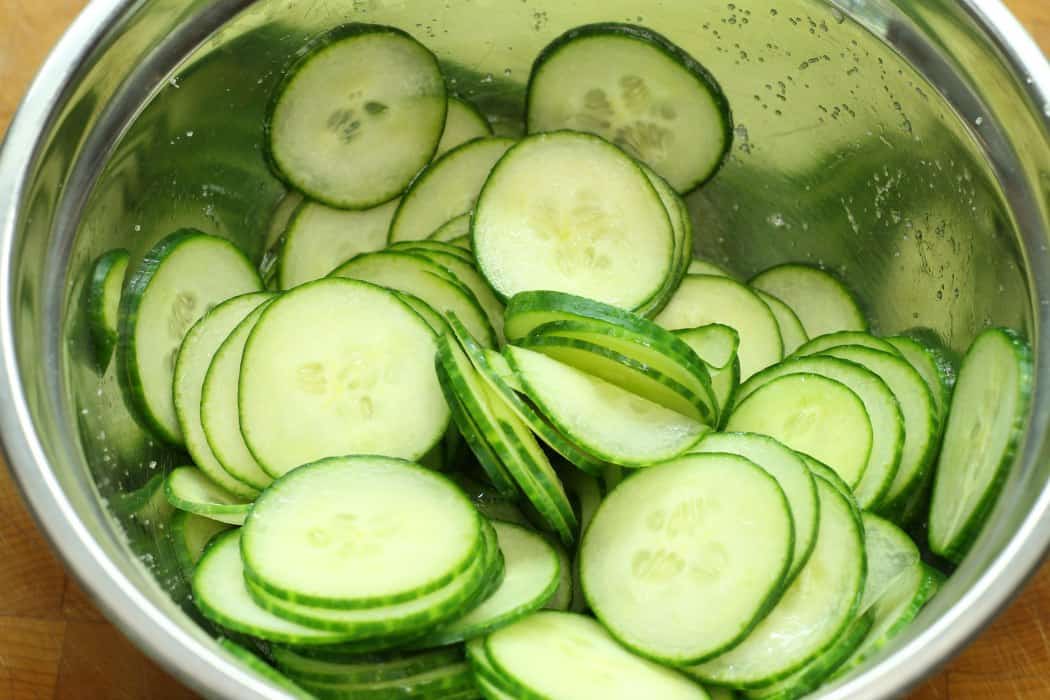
{"type": "Point", "coordinates": [903, 144]}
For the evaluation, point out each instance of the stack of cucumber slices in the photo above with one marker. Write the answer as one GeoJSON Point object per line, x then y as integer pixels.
{"type": "Point", "coordinates": [480, 424]}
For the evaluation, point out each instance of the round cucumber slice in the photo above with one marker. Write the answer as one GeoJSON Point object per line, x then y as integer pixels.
{"type": "Point", "coordinates": [103, 302]}
{"type": "Point", "coordinates": [358, 532]}
{"type": "Point", "coordinates": [365, 669]}
{"type": "Point", "coordinates": [670, 567]}
{"type": "Point", "coordinates": [818, 298]}
{"type": "Point", "coordinates": [791, 330]}
{"type": "Point", "coordinates": [188, 489]}
{"type": "Point", "coordinates": [463, 123]}
{"type": "Point", "coordinates": [386, 118]}
{"type": "Point", "coordinates": [841, 338]}
{"type": "Point", "coordinates": [570, 212]}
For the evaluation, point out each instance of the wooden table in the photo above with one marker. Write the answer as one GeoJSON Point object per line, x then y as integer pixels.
{"type": "Point", "coordinates": [54, 644]}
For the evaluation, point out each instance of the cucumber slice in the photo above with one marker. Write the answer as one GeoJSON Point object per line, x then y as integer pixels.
{"type": "Point", "coordinates": [199, 347]}
{"type": "Point", "coordinates": [188, 489]}
{"type": "Point", "coordinates": [463, 123]}
{"type": "Point", "coordinates": [386, 117]}
{"type": "Point", "coordinates": [706, 267]}
{"type": "Point", "coordinates": [219, 413]}
{"type": "Point", "coordinates": [807, 679]}
{"type": "Point", "coordinates": [898, 606]}
{"type": "Point", "coordinates": [447, 188]}
{"type": "Point", "coordinates": [509, 438]}
{"type": "Point", "coordinates": [430, 282]}
{"type": "Point", "coordinates": [220, 593]}
{"type": "Point", "coordinates": [672, 570]}
{"type": "Point", "coordinates": [562, 598]}
{"type": "Point", "coordinates": [791, 473]}
{"type": "Point", "coordinates": [589, 223]}
{"type": "Point", "coordinates": [932, 365]}
{"type": "Point", "coordinates": [450, 682]}
{"type": "Point", "coordinates": [405, 620]}
{"type": "Point", "coordinates": [464, 242]}
{"type": "Point", "coordinates": [310, 388]}
{"type": "Point", "coordinates": [812, 614]}
{"type": "Point", "coordinates": [602, 419]}
{"type": "Point", "coordinates": [791, 330]}
{"type": "Point", "coordinates": [682, 227]}
{"type": "Point", "coordinates": [571, 657]}
{"type": "Point", "coordinates": [637, 89]}
{"type": "Point", "coordinates": [630, 375]}
{"type": "Point", "coordinates": [921, 421]}
{"type": "Point", "coordinates": [190, 534]}
{"type": "Point", "coordinates": [178, 281]}
{"type": "Point", "coordinates": [319, 238]}
{"type": "Point", "coordinates": [819, 299]}
{"type": "Point", "coordinates": [987, 418]}
{"type": "Point", "coordinates": [496, 372]}
{"type": "Point", "coordinates": [456, 228]}
{"type": "Point", "coordinates": [279, 218]}
{"type": "Point", "coordinates": [433, 246]}
{"type": "Point", "coordinates": [801, 411]}
{"type": "Point", "coordinates": [717, 345]}
{"type": "Point", "coordinates": [874, 481]}
{"type": "Point", "coordinates": [705, 299]}
{"type": "Point", "coordinates": [261, 668]}
{"type": "Point", "coordinates": [103, 302]}
{"type": "Point", "coordinates": [466, 273]}
{"type": "Point", "coordinates": [841, 338]}
{"type": "Point", "coordinates": [831, 476]}
{"type": "Point", "coordinates": [364, 669]}
{"type": "Point", "coordinates": [891, 555]}
{"type": "Point", "coordinates": [531, 578]}
{"type": "Point", "coordinates": [436, 321]}
{"type": "Point", "coordinates": [357, 532]}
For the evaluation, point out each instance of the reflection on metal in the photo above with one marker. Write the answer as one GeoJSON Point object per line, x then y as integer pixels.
{"type": "Point", "coordinates": [901, 144]}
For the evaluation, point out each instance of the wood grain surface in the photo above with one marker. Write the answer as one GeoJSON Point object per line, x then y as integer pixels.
{"type": "Point", "coordinates": [54, 644]}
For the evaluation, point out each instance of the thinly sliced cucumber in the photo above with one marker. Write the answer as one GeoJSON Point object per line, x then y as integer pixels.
{"type": "Point", "coordinates": [463, 123]}
{"type": "Point", "coordinates": [562, 598]}
{"type": "Point", "coordinates": [497, 373]}
{"type": "Point", "coordinates": [190, 534]}
{"type": "Point", "coordinates": [221, 594]}
{"type": "Point", "coordinates": [987, 418]}
{"type": "Point", "coordinates": [532, 576]}
{"type": "Point", "coordinates": [801, 411]}
{"type": "Point", "coordinates": [591, 223]}
{"type": "Point", "coordinates": [705, 299]}
{"type": "Point", "coordinates": [637, 89]}
{"type": "Point", "coordinates": [452, 230]}
{"type": "Point", "coordinates": [199, 347]}
{"type": "Point", "coordinates": [510, 438]}
{"type": "Point", "coordinates": [103, 302]}
{"type": "Point", "coordinates": [319, 238]}
{"type": "Point", "coordinates": [358, 532]}
{"type": "Point", "coordinates": [791, 473]}
{"type": "Point", "coordinates": [717, 345]}
{"type": "Point", "coordinates": [435, 320]}
{"type": "Point", "coordinates": [178, 281]}
{"type": "Point", "coordinates": [820, 300]}
{"type": "Point", "coordinates": [670, 567]}
{"type": "Point", "coordinates": [813, 612]}
{"type": "Point", "coordinates": [364, 669]}
{"type": "Point", "coordinates": [451, 682]}
{"type": "Point", "coordinates": [268, 672]}
{"type": "Point", "coordinates": [706, 267]}
{"type": "Point", "coordinates": [466, 273]}
{"type": "Point", "coordinates": [447, 188]}
{"type": "Point", "coordinates": [571, 657]}
{"type": "Point", "coordinates": [465, 242]}
{"type": "Point", "coordinates": [807, 679]}
{"type": "Point", "coordinates": [682, 226]}
{"type": "Point", "coordinates": [600, 418]}
{"type": "Point", "coordinates": [220, 414]}
{"type": "Point", "coordinates": [188, 489]}
{"type": "Point", "coordinates": [898, 606]}
{"type": "Point", "coordinates": [433, 246]}
{"type": "Point", "coordinates": [873, 482]}
{"type": "Point", "coordinates": [386, 119]}
{"type": "Point", "coordinates": [311, 388]}
{"type": "Point", "coordinates": [624, 372]}
{"type": "Point", "coordinates": [405, 620]}
{"type": "Point", "coordinates": [829, 475]}
{"type": "Point", "coordinates": [921, 421]}
{"type": "Point", "coordinates": [840, 338]}
{"type": "Point", "coordinates": [791, 330]}
{"type": "Point", "coordinates": [891, 555]}
{"type": "Point", "coordinates": [430, 282]}
{"type": "Point", "coordinates": [934, 367]}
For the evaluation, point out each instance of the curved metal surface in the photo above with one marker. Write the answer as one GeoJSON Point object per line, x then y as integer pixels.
{"type": "Point", "coordinates": [903, 144]}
